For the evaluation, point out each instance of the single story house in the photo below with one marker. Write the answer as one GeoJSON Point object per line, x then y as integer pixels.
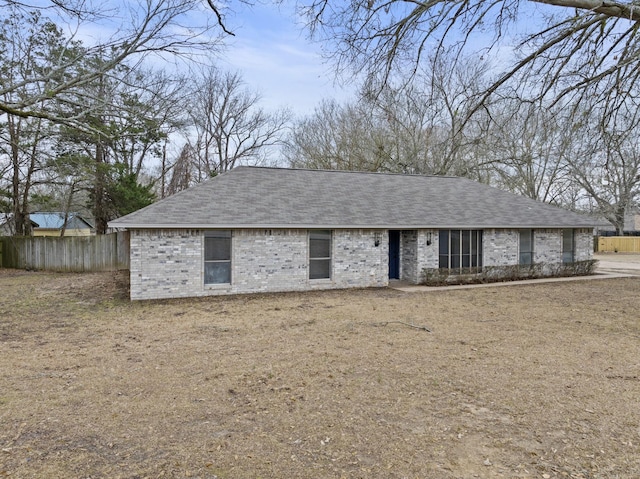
{"type": "Point", "coordinates": [272, 229]}
{"type": "Point", "coordinates": [52, 223]}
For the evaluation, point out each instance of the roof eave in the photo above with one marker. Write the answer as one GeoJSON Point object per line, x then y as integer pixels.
{"type": "Point", "coordinates": [200, 226]}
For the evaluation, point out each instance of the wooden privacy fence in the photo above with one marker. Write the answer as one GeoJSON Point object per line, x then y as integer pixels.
{"type": "Point", "coordinates": [619, 244]}
{"type": "Point", "coordinates": [74, 253]}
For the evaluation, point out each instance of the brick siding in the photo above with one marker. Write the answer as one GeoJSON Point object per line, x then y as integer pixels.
{"type": "Point", "coordinates": [169, 263]}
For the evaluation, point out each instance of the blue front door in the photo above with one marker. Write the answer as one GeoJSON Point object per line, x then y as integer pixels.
{"type": "Point", "coordinates": [394, 254]}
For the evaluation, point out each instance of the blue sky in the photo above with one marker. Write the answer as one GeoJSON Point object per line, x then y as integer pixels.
{"type": "Point", "coordinates": [269, 49]}
{"type": "Point", "coordinates": [275, 58]}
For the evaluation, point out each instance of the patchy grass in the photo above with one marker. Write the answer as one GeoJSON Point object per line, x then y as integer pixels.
{"type": "Point", "coordinates": [526, 381]}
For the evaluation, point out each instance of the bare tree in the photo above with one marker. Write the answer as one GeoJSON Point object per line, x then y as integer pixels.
{"type": "Point", "coordinates": [25, 46]}
{"type": "Point", "coordinates": [570, 49]}
{"type": "Point", "coordinates": [24, 145]}
{"type": "Point", "coordinates": [69, 177]}
{"type": "Point", "coordinates": [605, 162]}
{"type": "Point", "coordinates": [529, 146]}
{"type": "Point", "coordinates": [340, 137]}
{"type": "Point", "coordinates": [150, 27]}
{"type": "Point", "coordinates": [230, 126]}
{"type": "Point", "coordinates": [146, 108]}
{"type": "Point", "coordinates": [128, 126]}
{"type": "Point", "coordinates": [413, 127]}
{"type": "Point", "coordinates": [182, 171]}
{"type": "Point", "coordinates": [427, 118]}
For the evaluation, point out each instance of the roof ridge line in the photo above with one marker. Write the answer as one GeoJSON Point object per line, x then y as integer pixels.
{"type": "Point", "coordinates": [387, 173]}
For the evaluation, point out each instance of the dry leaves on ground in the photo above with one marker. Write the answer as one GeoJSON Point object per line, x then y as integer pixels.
{"type": "Point", "coordinates": [535, 381]}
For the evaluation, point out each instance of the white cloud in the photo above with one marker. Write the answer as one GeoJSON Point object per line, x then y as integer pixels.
{"type": "Point", "coordinates": [275, 58]}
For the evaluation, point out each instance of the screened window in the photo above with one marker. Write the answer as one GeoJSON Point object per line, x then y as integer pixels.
{"type": "Point", "coordinates": [217, 257]}
{"type": "Point", "coordinates": [526, 247]}
{"type": "Point", "coordinates": [319, 254]}
{"type": "Point", "coordinates": [460, 249]}
{"type": "Point", "coordinates": [568, 246]}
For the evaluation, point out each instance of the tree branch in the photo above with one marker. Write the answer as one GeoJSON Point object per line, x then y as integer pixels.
{"type": "Point", "coordinates": [219, 17]}
{"type": "Point", "coordinates": [605, 7]}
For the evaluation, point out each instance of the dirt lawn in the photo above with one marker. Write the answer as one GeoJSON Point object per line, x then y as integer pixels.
{"type": "Point", "coordinates": [526, 381]}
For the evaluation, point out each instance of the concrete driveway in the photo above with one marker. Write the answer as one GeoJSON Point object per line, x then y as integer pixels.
{"type": "Point", "coordinates": [621, 263]}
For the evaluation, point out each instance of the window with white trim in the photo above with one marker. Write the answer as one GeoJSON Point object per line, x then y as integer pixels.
{"type": "Point", "coordinates": [526, 247]}
{"type": "Point", "coordinates": [217, 257]}
{"type": "Point", "coordinates": [460, 249]}
{"type": "Point", "coordinates": [319, 254]}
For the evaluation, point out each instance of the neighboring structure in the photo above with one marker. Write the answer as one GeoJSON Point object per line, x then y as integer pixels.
{"type": "Point", "coordinates": [7, 225]}
{"type": "Point", "coordinates": [269, 229]}
{"type": "Point", "coordinates": [631, 225]}
{"type": "Point", "coordinates": [52, 223]}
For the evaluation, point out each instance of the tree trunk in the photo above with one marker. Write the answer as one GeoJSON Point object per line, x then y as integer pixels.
{"type": "Point", "coordinates": [67, 209]}
{"type": "Point", "coordinates": [21, 223]}
{"type": "Point", "coordinates": [99, 209]}
{"type": "Point", "coordinates": [619, 221]}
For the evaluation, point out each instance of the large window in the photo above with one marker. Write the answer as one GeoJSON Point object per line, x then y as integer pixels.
{"type": "Point", "coordinates": [568, 246]}
{"type": "Point", "coordinates": [217, 257]}
{"type": "Point", "coordinates": [526, 247]}
{"type": "Point", "coordinates": [460, 249]}
{"type": "Point", "coordinates": [320, 254]}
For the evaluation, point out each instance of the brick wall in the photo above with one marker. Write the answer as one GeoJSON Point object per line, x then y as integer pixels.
{"type": "Point", "coordinates": [416, 254]}
{"type": "Point", "coordinates": [584, 244]}
{"type": "Point", "coordinates": [169, 263]}
{"type": "Point", "coordinates": [357, 262]}
{"type": "Point", "coordinates": [267, 260]}
{"type": "Point", "coordinates": [409, 255]}
{"type": "Point", "coordinates": [165, 263]}
{"type": "Point", "coordinates": [500, 247]}
{"type": "Point", "coordinates": [428, 253]}
{"type": "Point", "coordinates": [547, 246]}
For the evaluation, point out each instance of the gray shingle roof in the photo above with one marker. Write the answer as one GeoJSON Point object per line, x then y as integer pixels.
{"type": "Point", "coordinates": [250, 197]}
